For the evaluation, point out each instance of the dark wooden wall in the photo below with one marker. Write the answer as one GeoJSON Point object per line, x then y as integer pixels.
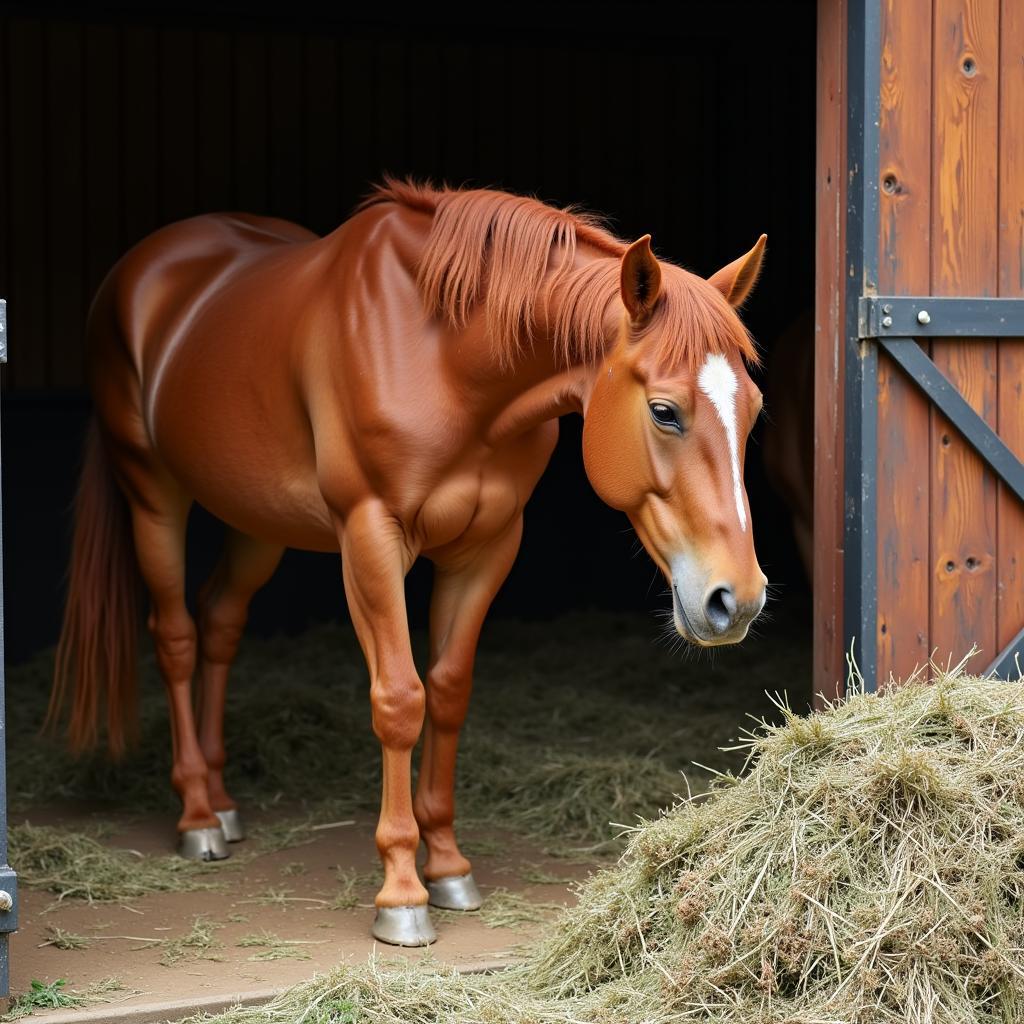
{"type": "Point", "coordinates": [115, 123]}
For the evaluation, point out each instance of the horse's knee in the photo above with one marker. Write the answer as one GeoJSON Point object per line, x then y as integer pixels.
{"type": "Point", "coordinates": [220, 630]}
{"type": "Point", "coordinates": [398, 706]}
{"type": "Point", "coordinates": [448, 689]}
{"type": "Point", "coordinates": [175, 641]}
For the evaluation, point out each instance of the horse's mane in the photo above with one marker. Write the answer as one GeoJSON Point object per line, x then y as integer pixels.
{"type": "Point", "coordinates": [504, 244]}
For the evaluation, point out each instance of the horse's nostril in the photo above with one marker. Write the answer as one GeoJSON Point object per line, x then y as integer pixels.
{"type": "Point", "coordinates": [720, 608]}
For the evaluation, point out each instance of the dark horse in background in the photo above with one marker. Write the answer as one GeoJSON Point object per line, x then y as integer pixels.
{"type": "Point", "coordinates": [389, 391]}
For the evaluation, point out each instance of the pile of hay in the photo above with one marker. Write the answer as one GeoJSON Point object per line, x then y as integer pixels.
{"type": "Point", "coordinates": [868, 867]}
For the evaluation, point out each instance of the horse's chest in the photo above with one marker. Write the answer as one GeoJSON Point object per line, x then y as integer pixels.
{"type": "Point", "coordinates": [467, 507]}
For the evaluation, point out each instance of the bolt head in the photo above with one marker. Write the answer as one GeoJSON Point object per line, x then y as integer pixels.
{"type": "Point", "coordinates": [887, 321]}
{"type": "Point", "coordinates": [923, 317]}
{"type": "Point", "coordinates": [6, 902]}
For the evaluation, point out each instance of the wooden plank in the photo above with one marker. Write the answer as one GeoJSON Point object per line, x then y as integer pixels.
{"type": "Point", "coordinates": [250, 178]}
{"type": "Point", "coordinates": [322, 212]}
{"type": "Point", "coordinates": [458, 122]}
{"type": "Point", "coordinates": [287, 128]}
{"type": "Point", "coordinates": [28, 168]}
{"type": "Point", "coordinates": [214, 51]}
{"type": "Point", "coordinates": [391, 110]}
{"type": "Point", "coordinates": [492, 72]}
{"type": "Point", "coordinates": [356, 124]}
{"type": "Point", "coordinates": [904, 267]}
{"type": "Point", "coordinates": [5, 206]}
{"type": "Point", "coordinates": [964, 249]}
{"type": "Point", "coordinates": [102, 153]}
{"type": "Point", "coordinates": [139, 155]}
{"type": "Point", "coordinates": [176, 112]}
{"type": "Point", "coordinates": [556, 71]}
{"type": "Point", "coordinates": [829, 249]}
{"type": "Point", "coordinates": [1010, 514]}
{"type": "Point", "coordinates": [65, 291]}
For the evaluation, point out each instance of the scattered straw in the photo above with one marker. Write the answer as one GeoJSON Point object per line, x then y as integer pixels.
{"type": "Point", "coordinates": [74, 864]}
{"type": "Point", "coordinates": [198, 943]}
{"type": "Point", "coordinates": [505, 909]}
{"type": "Point", "coordinates": [64, 939]}
{"type": "Point", "coordinates": [355, 887]}
{"type": "Point", "coordinates": [867, 869]}
{"type": "Point", "coordinates": [271, 947]}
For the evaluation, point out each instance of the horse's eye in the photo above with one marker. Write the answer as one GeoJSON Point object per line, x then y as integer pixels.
{"type": "Point", "coordinates": [665, 416]}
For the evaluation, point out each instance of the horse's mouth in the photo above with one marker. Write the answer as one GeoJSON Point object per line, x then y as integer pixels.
{"type": "Point", "coordinates": [687, 632]}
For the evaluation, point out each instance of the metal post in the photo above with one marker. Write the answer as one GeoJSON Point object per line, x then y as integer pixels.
{"type": "Point", "coordinates": [8, 880]}
{"type": "Point", "coordinates": [860, 560]}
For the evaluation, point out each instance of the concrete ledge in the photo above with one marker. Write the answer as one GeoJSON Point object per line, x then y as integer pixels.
{"type": "Point", "coordinates": [169, 1010]}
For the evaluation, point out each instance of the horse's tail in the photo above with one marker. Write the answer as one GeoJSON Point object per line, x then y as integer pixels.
{"type": "Point", "coordinates": [95, 661]}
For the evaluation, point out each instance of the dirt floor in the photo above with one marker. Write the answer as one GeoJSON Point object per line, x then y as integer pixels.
{"type": "Point", "coordinates": [578, 726]}
{"type": "Point", "coordinates": [288, 894]}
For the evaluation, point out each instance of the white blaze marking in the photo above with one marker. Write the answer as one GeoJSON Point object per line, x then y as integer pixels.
{"type": "Point", "coordinates": [718, 381]}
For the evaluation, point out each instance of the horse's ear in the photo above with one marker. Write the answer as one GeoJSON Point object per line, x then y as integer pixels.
{"type": "Point", "coordinates": [640, 283]}
{"type": "Point", "coordinates": [737, 280]}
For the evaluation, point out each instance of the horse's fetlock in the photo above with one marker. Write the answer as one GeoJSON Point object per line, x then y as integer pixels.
{"type": "Point", "coordinates": [395, 836]}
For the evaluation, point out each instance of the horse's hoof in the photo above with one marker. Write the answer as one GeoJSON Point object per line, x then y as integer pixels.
{"type": "Point", "coordinates": [404, 926]}
{"type": "Point", "coordinates": [203, 844]}
{"type": "Point", "coordinates": [231, 825]}
{"type": "Point", "coordinates": [456, 892]}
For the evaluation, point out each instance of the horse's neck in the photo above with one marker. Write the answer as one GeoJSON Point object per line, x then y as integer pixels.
{"type": "Point", "coordinates": [543, 384]}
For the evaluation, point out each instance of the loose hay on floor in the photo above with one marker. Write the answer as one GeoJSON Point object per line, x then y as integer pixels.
{"type": "Point", "coordinates": [76, 865]}
{"type": "Point", "coordinates": [867, 868]}
{"type": "Point", "coordinates": [561, 740]}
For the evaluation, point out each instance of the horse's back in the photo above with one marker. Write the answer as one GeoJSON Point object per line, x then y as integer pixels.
{"type": "Point", "coordinates": [160, 283]}
{"type": "Point", "coordinates": [145, 320]}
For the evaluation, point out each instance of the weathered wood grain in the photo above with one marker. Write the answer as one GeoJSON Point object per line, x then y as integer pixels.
{"type": "Point", "coordinates": [1010, 512]}
{"type": "Point", "coordinates": [903, 268]}
{"type": "Point", "coordinates": [964, 249]}
{"type": "Point", "coordinates": [829, 251]}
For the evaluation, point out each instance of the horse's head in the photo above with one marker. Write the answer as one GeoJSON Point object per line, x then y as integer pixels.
{"type": "Point", "coordinates": [665, 433]}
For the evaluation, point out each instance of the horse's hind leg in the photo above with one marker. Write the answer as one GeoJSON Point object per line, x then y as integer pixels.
{"type": "Point", "coordinates": [223, 608]}
{"type": "Point", "coordinates": [160, 548]}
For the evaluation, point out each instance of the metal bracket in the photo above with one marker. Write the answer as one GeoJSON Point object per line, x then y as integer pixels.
{"type": "Point", "coordinates": [8, 900]}
{"type": "Point", "coordinates": [948, 400]}
{"type": "Point", "coordinates": [1006, 665]}
{"type": "Point", "coordinates": [979, 435]}
{"type": "Point", "coordinates": [928, 316]}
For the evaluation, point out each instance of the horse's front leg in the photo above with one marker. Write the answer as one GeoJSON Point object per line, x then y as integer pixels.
{"type": "Point", "coordinates": [375, 560]}
{"type": "Point", "coordinates": [463, 591]}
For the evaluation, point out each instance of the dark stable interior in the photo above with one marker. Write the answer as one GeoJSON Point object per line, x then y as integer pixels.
{"type": "Point", "coordinates": [694, 122]}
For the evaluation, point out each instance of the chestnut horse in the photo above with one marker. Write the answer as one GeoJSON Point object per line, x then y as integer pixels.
{"type": "Point", "coordinates": [388, 391]}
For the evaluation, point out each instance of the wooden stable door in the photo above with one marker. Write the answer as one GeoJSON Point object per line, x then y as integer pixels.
{"type": "Point", "coordinates": [919, 515]}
